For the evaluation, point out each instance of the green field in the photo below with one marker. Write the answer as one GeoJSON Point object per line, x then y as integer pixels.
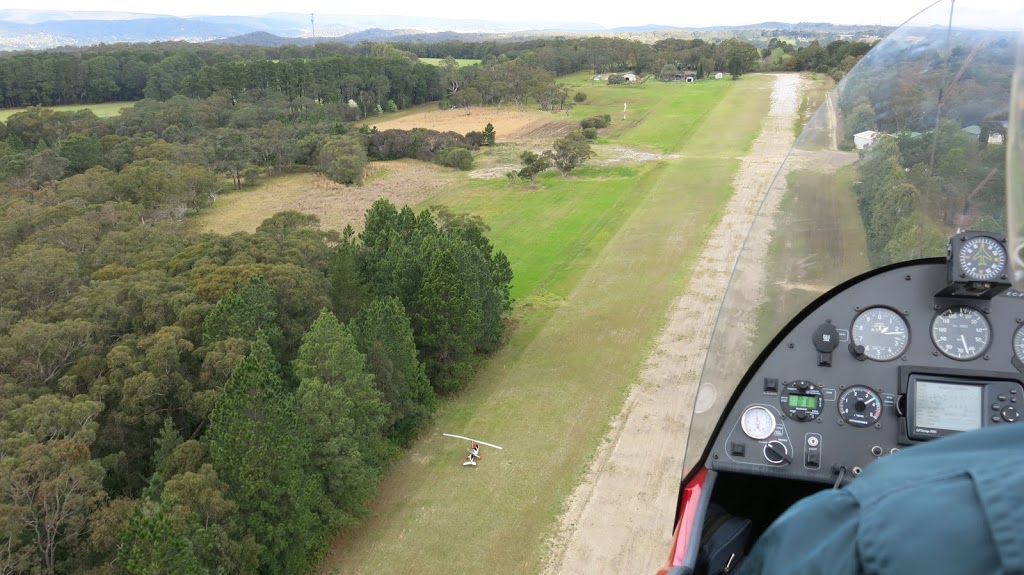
{"type": "Point", "coordinates": [105, 110]}
{"type": "Point", "coordinates": [599, 257]}
{"type": "Point", "coordinates": [461, 61]}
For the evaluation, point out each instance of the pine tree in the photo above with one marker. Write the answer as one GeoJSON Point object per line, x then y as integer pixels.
{"type": "Point", "coordinates": [384, 334]}
{"type": "Point", "coordinates": [242, 313]}
{"type": "Point", "coordinates": [261, 451]}
{"type": "Point", "coordinates": [448, 313]}
{"type": "Point", "coordinates": [344, 415]}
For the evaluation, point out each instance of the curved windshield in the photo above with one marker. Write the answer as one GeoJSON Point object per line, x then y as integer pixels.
{"type": "Point", "coordinates": [907, 149]}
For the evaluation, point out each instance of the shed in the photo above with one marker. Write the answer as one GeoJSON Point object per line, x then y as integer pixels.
{"type": "Point", "coordinates": [975, 132]}
{"type": "Point", "coordinates": [719, 76]}
{"type": "Point", "coordinates": [629, 76]}
{"type": "Point", "coordinates": [864, 139]}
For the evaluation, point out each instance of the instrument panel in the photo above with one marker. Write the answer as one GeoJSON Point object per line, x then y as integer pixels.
{"type": "Point", "coordinates": [879, 366]}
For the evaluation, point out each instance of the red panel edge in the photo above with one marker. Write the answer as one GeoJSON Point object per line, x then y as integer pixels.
{"type": "Point", "coordinates": [684, 528]}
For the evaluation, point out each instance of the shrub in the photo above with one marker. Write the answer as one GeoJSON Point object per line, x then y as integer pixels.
{"type": "Point", "coordinates": [460, 158]}
{"type": "Point", "coordinates": [579, 98]}
{"type": "Point", "coordinates": [475, 139]}
{"type": "Point", "coordinates": [590, 133]}
{"type": "Point", "coordinates": [596, 122]}
{"type": "Point", "coordinates": [616, 79]}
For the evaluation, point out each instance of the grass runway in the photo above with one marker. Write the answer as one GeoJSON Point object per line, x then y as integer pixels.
{"type": "Point", "coordinates": [599, 257]}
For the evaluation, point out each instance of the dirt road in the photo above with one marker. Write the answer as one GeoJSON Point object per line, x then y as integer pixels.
{"type": "Point", "coordinates": [619, 520]}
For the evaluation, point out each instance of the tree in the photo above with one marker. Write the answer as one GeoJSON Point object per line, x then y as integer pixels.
{"type": "Point", "coordinates": [579, 98]}
{"type": "Point", "coordinates": [344, 415]}
{"type": "Point", "coordinates": [81, 151]}
{"type": "Point", "coordinates": [232, 152]}
{"type": "Point", "coordinates": [48, 482]}
{"type": "Point", "coordinates": [348, 289]}
{"type": "Point", "coordinates": [243, 314]}
{"type": "Point", "coordinates": [489, 134]}
{"type": "Point", "coordinates": [533, 164]}
{"type": "Point", "coordinates": [261, 451]}
{"type": "Point", "coordinates": [571, 152]}
{"type": "Point", "coordinates": [447, 312]}
{"type": "Point", "coordinates": [343, 159]}
{"type": "Point", "coordinates": [385, 335]}
{"type": "Point", "coordinates": [46, 166]}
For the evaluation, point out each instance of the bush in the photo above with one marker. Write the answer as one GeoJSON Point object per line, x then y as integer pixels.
{"type": "Point", "coordinates": [460, 158]}
{"type": "Point", "coordinates": [579, 98]}
{"type": "Point", "coordinates": [616, 79]}
{"type": "Point", "coordinates": [392, 107]}
{"type": "Point", "coordinates": [596, 122]}
{"type": "Point", "coordinates": [590, 133]}
{"type": "Point", "coordinates": [342, 159]}
{"type": "Point", "coordinates": [475, 139]}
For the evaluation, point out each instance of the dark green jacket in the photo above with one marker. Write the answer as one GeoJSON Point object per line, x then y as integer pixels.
{"type": "Point", "coordinates": [953, 505]}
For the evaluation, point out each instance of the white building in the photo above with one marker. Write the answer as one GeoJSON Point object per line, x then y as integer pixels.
{"type": "Point", "coordinates": [719, 76]}
{"type": "Point", "coordinates": [629, 76]}
{"type": "Point", "coordinates": [864, 139]}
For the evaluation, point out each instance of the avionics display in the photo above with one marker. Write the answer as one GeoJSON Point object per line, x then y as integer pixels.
{"type": "Point", "coordinates": [808, 401]}
{"type": "Point", "coordinates": [947, 406]}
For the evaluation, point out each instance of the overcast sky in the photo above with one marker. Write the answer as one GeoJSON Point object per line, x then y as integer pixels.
{"type": "Point", "coordinates": [627, 13]}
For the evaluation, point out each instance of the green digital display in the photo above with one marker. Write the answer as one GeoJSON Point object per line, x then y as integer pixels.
{"type": "Point", "coordinates": [808, 401]}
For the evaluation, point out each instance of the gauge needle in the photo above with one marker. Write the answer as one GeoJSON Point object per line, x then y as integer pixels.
{"type": "Point", "coordinates": [964, 341]}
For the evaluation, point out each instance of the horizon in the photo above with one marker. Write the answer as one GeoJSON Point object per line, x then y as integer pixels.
{"type": "Point", "coordinates": [530, 13]}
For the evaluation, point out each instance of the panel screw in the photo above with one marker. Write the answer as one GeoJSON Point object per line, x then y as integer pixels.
{"type": "Point", "coordinates": [907, 277]}
{"type": "Point", "coordinates": [935, 353]}
{"type": "Point", "coordinates": [906, 312]}
{"type": "Point", "coordinates": [791, 346]}
{"type": "Point", "coordinates": [986, 356]}
{"type": "Point", "coordinates": [936, 306]}
{"type": "Point", "coordinates": [878, 426]}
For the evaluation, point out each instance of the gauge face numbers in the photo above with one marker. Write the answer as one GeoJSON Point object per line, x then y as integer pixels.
{"type": "Point", "coordinates": [961, 333]}
{"type": "Point", "coordinates": [982, 259]}
{"type": "Point", "coordinates": [758, 422]}
{"type": "Point", "coordinates": [881, 332]}
{"type": "Point", "coordinates": [860, 406]}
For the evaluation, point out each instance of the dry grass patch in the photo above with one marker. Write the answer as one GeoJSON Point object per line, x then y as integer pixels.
{"type": "Point", "coordinates": [402, 182]}
{"type": "Point", "coordinates": [509, 124]}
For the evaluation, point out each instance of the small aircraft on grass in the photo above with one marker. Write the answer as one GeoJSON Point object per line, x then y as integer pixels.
{"type": "Point", "coordinates": [474, 450]}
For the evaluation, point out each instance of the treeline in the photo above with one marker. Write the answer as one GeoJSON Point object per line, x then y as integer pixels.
{"type": "Point", "coordinates": [368, 73]}
{"type": "Point", "coordinates": [211, 404]}
{"type": "Point", "coordinates": [835, 59]}
{"type": "Point", "coordinates": [908, 206]}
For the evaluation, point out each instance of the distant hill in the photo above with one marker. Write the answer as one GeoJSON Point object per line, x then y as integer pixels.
{"type": "Point", "coordinates": [42, 29]}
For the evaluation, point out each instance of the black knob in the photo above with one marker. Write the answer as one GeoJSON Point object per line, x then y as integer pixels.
{"type": "Point", "coordinates": [776, 452]}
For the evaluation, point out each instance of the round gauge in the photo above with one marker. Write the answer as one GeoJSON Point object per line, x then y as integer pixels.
{"type": "Point", "coordinates": [1018, 344]}
{"type": "Point", "coordinates": [881, 332]}
{"type": "Point", "coordinates": [860, 406]}
{"type": "Point", "coordinates": [758, 422]}
{"type": "Point", "coordinates": [961, 333]}
{"type": "Point", "coordinates": [982, 259]}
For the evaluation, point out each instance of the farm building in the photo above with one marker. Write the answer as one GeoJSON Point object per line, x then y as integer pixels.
{"type": "Point", "coordinates": [719, 76]}
{"type": "Point", "coordinates": [629, 76]}
{"type": "Point", "coordinates": [975, 132]}
{"type": "Point", "coordinates": [864, 139]}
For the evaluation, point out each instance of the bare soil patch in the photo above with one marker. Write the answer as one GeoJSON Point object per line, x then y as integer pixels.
{"type": "Point", "coordinates": [510, 124]}
{"type": "Point", "coordinates": [401, 181]}
{"type": "Point", "coordinates": [618, 520]}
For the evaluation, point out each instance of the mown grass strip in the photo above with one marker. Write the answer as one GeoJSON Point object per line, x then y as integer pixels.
{"type": "Point", "coordinates": [600, 293]}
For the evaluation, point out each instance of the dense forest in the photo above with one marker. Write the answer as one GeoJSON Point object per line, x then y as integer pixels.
{"type": "Point", "coordinates": [197, 403]}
